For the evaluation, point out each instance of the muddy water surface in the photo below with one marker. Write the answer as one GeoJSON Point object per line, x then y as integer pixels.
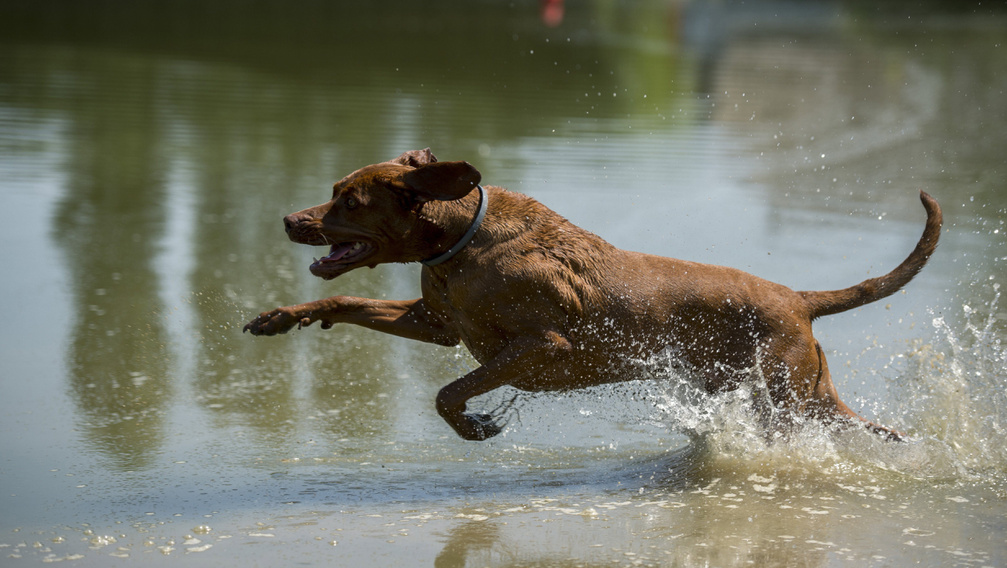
{"type": "Point", "coordinates": [147, 155]}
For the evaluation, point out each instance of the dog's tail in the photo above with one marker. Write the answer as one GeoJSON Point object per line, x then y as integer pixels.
{"type": "Point", "coordinates": [835, 301]}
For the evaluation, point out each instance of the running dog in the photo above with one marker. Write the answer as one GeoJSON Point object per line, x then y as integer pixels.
{"type": "Point", "coordinates": [544, 305]}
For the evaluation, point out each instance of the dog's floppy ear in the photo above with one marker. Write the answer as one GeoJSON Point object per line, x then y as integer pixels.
{"type": "Point", "coordinates": [415, 158]}
{"type": "Point", "coordinates": [441, 181]}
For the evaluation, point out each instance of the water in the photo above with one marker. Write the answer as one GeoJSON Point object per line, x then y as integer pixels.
{"type": "Point", "coordinates": [147, 155]}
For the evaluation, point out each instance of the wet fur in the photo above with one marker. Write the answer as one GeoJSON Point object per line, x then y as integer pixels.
{"type": "Point", "coordinates": [545, 305]}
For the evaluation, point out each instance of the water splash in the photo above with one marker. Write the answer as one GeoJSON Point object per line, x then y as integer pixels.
{"type": "Point", "coordinates": [949, 394]}
{"type": "Point", "coordinates": [738, 425]}
{"type": "Point", "coordinates": [954, 394]}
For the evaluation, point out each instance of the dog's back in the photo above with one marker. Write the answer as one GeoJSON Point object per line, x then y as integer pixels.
{"type": "Point", "coordinates": [545, 305]}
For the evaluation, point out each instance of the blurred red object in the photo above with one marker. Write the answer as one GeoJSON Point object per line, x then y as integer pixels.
{"type": "Point", "coordinates": [552, 12]}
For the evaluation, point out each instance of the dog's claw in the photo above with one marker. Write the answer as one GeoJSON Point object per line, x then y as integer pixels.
{"type": "Point", "coordinates": [278, 321]}
{"type": "Point", "coordinates": [482, 427]}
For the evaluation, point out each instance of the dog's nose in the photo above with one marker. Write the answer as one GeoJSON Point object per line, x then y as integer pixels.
{"type": "Point", "coordinates": [289, 222]}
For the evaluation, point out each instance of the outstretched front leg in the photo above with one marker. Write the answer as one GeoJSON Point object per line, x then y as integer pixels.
{"type": "Point", "coordinates": [523, 359]}
{"type": "Point", "coordinates": [407, 318]}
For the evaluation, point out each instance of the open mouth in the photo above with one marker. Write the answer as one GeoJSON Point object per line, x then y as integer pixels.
{"type": "Point", "coordinates": [341, 258]}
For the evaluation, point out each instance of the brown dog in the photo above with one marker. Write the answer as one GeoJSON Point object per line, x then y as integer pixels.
{"type": "Point", "coordinates": [544, 305]}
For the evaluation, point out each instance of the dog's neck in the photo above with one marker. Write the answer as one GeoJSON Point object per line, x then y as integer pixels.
{"type": "Point", "coordinates": [470, 232]}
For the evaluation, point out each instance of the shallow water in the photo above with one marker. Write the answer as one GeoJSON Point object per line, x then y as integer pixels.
{"type": "Point", "coordinates": [147, 155]}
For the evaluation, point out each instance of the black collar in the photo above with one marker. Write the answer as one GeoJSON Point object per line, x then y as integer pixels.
{"type": "Point", "coordinates": [483, 201]}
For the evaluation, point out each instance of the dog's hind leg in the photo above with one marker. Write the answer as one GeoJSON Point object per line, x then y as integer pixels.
{"type": "Point", "coordinates": [800, 385]}
{"type": "Point", "coordinates": [826, 405]}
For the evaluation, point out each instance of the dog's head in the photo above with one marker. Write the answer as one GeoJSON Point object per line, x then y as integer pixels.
{"type": "Point", "coordinates": [374, 215]}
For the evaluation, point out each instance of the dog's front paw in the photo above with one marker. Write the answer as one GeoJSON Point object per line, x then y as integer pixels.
{"type": "Point", "coordinates": [479, 427]}
{"type": "Point", "coordinates": [280, 320]}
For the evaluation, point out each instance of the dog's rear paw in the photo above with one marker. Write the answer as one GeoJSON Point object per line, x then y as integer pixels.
{"type": "Point", "coordinates": [481, 427]}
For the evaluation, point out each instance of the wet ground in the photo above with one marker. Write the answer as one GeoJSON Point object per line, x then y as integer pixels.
{"type": "Point", "coordinates": [148, 154]}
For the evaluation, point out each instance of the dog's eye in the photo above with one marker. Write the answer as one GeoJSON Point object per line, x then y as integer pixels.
{"type": "Point", "coordinates": [351, 203]}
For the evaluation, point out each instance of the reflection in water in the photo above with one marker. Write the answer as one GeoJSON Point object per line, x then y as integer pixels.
{"type": "Point", "coordinates": [108, 224]}
{"type": "Point", "coordinates": [880, 122]}
{"type": "Point", "coordinates": [468, 542]}
{"type": "Point", "coordinates": [186, 130]}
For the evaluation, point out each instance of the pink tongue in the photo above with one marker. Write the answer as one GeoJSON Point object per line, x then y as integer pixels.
{"type": "Point", "coordinates": [338, 251]}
